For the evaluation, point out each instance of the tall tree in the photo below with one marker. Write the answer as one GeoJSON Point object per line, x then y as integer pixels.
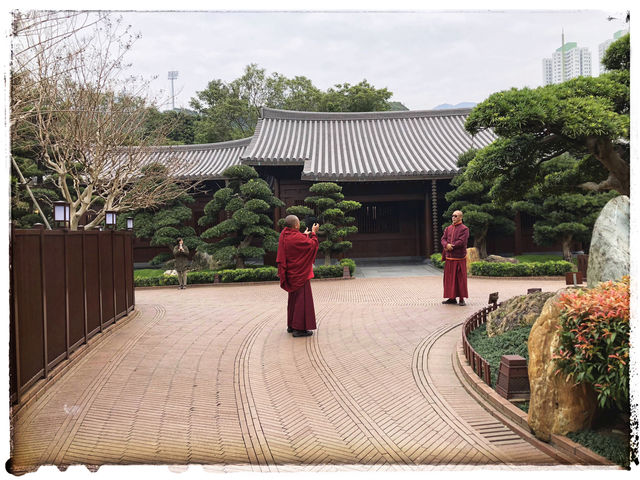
{"type": "Point", "coordinates": [247, 201]}
{"type": "Point", "coordinates": [230, 110]}
{"type": "Point", "coordinates": [582, 116]}
{"type": "Point", "coordinates": [362, 97]}
{"type": "Point", "coordinates": [481, 213]}
{"type": "Point", "coordinates": [563, 212]}
{"type": "Point", "coordinates": [86, 119]}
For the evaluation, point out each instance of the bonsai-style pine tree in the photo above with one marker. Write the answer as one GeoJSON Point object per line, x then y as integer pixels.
{"type": "Point", "coordinates": [328, 207]}
{"type": "Point", "coordinates": [564, 212]}
{"type": "Point", "coordinates": [166, 223]}
{"type": "Point", "coordinates": [248, 201]}
{"type": "Point", "coordinates": [480, 213]}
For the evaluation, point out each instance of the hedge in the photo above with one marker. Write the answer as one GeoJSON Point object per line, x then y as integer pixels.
{"type": "Point", "coordinates": [259, 274]}
{"type": "Point", "coordinates": [491, 269]}
{"type": "Point", "coordinates": [436, 259]}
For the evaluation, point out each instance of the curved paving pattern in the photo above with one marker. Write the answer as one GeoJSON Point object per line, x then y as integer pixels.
{"type": "Point", "coordinates": [209, 375]}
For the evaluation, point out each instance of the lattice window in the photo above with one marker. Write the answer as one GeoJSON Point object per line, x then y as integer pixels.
{"type": "Point", "coordinates": [378, 218]}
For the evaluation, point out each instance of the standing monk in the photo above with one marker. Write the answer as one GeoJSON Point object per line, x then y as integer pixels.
{"type": "Point", "coordinates": [295, 258]}
{"type": "Point", "coordinates": [454, 244]}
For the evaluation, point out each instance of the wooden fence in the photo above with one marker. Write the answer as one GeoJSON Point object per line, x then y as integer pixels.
{"type": "Point", "coordinates": [66, 287]}
{"type": "Point", "coordinates": [477, 363]}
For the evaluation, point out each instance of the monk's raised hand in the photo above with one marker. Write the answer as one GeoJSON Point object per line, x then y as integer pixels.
{"type": "Point", "coordinates": [315, 228]}
{"type": "Point", "coordinates": [306, 231]}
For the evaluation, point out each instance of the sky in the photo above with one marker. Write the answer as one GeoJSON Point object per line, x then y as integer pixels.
{"type": "Point", "coordinates": [425, 58]}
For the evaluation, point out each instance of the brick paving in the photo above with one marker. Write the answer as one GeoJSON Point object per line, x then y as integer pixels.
{"type": "Point", "coordinates": [208, 375]}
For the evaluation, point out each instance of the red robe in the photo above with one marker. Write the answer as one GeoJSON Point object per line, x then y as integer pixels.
{"type": "Point", "coordinates": [455, 267]}
{"type": "Point", "coordinates": [295, 258]}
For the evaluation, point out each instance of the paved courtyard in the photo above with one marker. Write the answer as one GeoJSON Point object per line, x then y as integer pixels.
{"type": "Point", "coordinates": [209, 375]}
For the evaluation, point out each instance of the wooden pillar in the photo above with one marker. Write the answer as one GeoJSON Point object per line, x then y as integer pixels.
{"type": "Point", "coordinates": [428, 224]}
{"type": "Point", "coordinates": [434, 210]}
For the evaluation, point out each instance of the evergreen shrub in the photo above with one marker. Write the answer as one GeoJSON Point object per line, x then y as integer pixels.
{"type": "Point", "coordinates": [594, 340]}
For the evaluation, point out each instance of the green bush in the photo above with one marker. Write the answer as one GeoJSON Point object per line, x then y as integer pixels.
{"type": "Point", "coordinates": [436, 259]}
{"type": "Point", "coordinates": [594, 340]}
{"type": "Point", "coordinates": [154, 278]}
{"type": "Point", "coordinates": [491, 269]}
{"type": "Point", "coordinates": [349, 263]}
{"type": "Point", "coordinates": [328, 271]}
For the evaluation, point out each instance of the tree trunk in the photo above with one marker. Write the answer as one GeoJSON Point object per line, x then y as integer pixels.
{"type": "Point", "coordinates": [327, 258]}
{"type": "Point", "coordinates": [566, 247]}
{"type": "Point", "coordinates": [239, 262]}
{"type": "Point", "coordinates": [619, 171]}
{"type": "Point", "coordinates": [480, 242]}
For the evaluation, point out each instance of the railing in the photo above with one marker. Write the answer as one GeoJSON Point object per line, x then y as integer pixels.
{"type": "Point", "coordinates": [66, 287]}
{"type": "Point", "coordinates": [477, 363]}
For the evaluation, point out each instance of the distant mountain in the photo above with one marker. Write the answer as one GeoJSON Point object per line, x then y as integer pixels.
{"type": "Point", "coordinates": [448, 106]}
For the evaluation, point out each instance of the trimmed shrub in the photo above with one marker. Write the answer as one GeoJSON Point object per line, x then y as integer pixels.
{"type": "Point", "coordinates": [436, 259]}
{"type": "Point", "coordinates": [252, 274]}
{"type": "Point", "coordinates": [349, 263]}
{"type": "Point", "coordinates": [594, 340]}
{"type": "Point", "coordinates": [491, 269]}
{"type": "Point", "coordinates": [328, 271]}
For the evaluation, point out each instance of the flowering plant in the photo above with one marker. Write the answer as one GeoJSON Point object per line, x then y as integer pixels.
{"type": "Point", "coordinates": [594, 340]}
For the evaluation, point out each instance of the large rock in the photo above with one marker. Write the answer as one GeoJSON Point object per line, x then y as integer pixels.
{"type": "Point", "coordinates": [516, 312]}
{"type": "Point", "coordinates": [609, 252]}
{"type": "Point", "coordinates": [556, 406]}
{"type": "Point", "coordinates": [499, 259]}
{"type": "Point", "coordinates": [472, 256]}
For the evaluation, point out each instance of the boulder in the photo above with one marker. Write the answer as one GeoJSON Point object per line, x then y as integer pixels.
{"type": "Point", "coordinates": [556, 405]}
{"type": "Point", "coordinates": [472, 256]}
{"type": "Point", "coordinates": [171, 273]}
{"type": "Point", "coordinates": [609, 257]}
{"type": "Point", "coordinates": [516, 312]}
{"type": "Point", "coordinates": [499, 259]}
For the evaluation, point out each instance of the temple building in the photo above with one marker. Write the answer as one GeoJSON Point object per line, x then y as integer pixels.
{"type": "Point", "coordinates": [398, 164]}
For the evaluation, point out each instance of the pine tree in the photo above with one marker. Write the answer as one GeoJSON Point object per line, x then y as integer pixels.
{"type": "Point", "coordinates": [480, 212]}
{"type": "Point", "coordinates": [328, 207]}
{"type": "Point", "coordinates": [248, 201]}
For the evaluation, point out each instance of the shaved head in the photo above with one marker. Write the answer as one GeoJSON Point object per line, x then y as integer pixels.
{"type": "Point", "coordinates": [292, 221]}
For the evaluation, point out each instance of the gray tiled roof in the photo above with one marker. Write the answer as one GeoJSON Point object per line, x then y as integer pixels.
{"type": "Point", "coordinates": [364, 146]}
{"type": "Point", "coordinates": [205, 161]}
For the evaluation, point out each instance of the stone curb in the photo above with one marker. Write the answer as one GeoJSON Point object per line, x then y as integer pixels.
{"type": "Point", "coordinates": [42, 386]}
{"type": "Point", "coordinates": [558, 444]}
{"type": "Point", "coordinates": [229, 284]}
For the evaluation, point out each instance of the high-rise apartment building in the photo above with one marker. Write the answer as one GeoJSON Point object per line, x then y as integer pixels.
{"type": "Point", "coordinates": [568, 61]}
{"type": "Point", "coordinates": [604, 45]}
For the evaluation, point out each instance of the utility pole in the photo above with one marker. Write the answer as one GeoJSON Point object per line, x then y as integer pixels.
{"type": "Point", "coordinates": [173, 74]}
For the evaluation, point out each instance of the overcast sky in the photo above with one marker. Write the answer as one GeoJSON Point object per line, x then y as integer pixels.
{"type": "Point", "coordinates": [425, 57]}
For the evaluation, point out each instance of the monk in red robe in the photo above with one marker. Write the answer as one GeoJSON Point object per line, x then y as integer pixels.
{"type": "Point", "coordinates": [454, 244]}
{"type": "Point", "coordinates": [295, 258]}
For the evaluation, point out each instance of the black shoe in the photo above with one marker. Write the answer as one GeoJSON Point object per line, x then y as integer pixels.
{"type": "Point", "coordinates": [302, 333]}
{"type": "Point", "coordinates": [289, 330]}
{"type": "Point", "coordinates": [451, 300]}
{"type": "Point", "coordinates": [461, 303]}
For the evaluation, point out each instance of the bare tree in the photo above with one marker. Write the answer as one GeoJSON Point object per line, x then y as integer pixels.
{"type": "Point", "coordinates": [74, 100]}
